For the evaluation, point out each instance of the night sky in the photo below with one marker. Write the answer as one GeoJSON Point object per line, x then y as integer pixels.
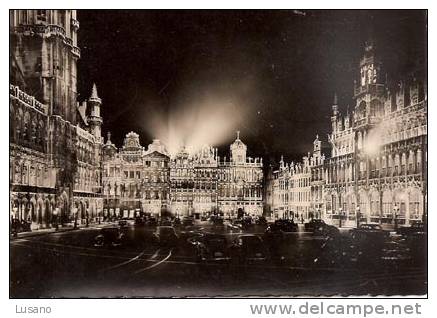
{"type": "Point", "coordinates": [278, 69]}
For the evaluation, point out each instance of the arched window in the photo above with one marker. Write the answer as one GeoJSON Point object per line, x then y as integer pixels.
{"type": "Point", "coordinates": [400, 203]}
{"type": "Point", "coordinates": [376, 108]}
{"type": "Point", "coordinates": [403, 163]}
{"type": "Point", "coordinates": [411, 162]}
{"type": "Point", "coordinates": [26, 123]}
{"type": "Point", "coordinates": [419, 161]}
{"type": "Point", "coordinates": [415, 204]}
{"type": "Point", "coordinates": [374, 203]}
{"type": "Point", "coordinates": [361, 110]}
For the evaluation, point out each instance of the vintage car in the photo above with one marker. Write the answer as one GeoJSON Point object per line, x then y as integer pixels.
{"type": "Point", "coordinates": [187, 221]}
{"type": "Point", "coordinates": [416, 228]}
{"type": "Point", "coordinates": [110, 237]}
{"type": "Point", "coordinates": [210, 248]}
{"type": "Point", "coordinates": [261, 220]}
{"type": "Point", "coordinates": [286, 225]}
{"type": "Point", "coordinates": [326, 230]}
{"type": "Point", "coordinates": [368, 231]}
{"type": "Point", "coordinates": [248, 249]}
{"type": "Point", "coordinates": [313, 224]}
{"type": "Point", "coordinates": [165, 236]}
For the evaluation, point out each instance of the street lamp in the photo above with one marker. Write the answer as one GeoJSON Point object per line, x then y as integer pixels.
{"type": "Point", "coordinates": [395, 212]}
{"type": "Point", "coordinates": [340, 215]}
{"type": "Point", "coordinates": [55, 214]}
{"type": "Point", "coordinates": [358, 215]}
{"type": "Point", "coordinates": [87, 216]}
{"type": "Point", "coordinates": [75, 217]}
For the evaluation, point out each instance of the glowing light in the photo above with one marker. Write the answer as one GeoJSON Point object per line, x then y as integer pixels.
{"type": "Point", "coordinates": [373, 142]}
{"type": "Point", "coordinates": [211, 121]}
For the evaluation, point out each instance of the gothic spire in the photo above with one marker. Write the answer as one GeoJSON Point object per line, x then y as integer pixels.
{"type": "Point", "coordinates": [94, 91]}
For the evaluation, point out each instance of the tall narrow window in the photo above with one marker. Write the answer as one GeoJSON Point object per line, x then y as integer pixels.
{"type": "Point", "coordinates": [41, 16]}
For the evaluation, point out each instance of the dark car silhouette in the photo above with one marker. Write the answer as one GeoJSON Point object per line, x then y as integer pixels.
{"type": "Point", "coordinates": [110, 236]}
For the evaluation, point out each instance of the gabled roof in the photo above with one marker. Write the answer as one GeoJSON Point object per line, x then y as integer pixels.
{"type": "Point", "coordinates": [156, 154]}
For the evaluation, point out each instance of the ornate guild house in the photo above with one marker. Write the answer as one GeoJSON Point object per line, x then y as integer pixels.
{"type": "Point", "coordinates": [152, 182]}
{"type": "Point", "coordinates": [135, 180]}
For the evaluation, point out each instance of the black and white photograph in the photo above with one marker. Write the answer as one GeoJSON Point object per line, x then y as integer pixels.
{"type": "Point", "coordinates": [218, 153]}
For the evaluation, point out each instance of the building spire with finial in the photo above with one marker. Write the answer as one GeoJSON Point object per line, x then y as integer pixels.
{"type": "Point", "coordinates": [238, 135]}
{"type": "Point", "coordinates": [335, 106]}
{"type": "Point", "coordinates": [94, 95]}
{"type": "Point", "coordinates": [94, 91]}
{"type": "Point", "coordinates": [109, 136]}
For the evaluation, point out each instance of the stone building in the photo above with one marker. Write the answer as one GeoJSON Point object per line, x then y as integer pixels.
{"type": "Point", "coordinates": [240, 182]}
{"type": "Point", "coordinates": [182, 183]}
{"type": "Point", "coordinates": [296, 192]}
{"type": "Point", "coordinates": [55, 143]}
{"type": "Point", "coordinates": [377, 168]}
{"type": "Point", "coordinates": [135, 180]}
{"type": "Point", "coordinates": [203, 184]}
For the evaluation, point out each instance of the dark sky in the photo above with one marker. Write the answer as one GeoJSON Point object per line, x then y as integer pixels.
{"type": "Point", "coordinates": [279, 68]}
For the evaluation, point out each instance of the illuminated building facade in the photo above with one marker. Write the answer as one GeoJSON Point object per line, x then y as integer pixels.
{"type": "Point", "coordinates": [134, 179]}
{"type": "Point", "coordinates": [203, 184]}
{"type": "Point", "coordinates": [377, 169]}
{"type": "Point", "coordinates": [55, 143]}
{"type": "Point", "coordinates": [296, 194]}
{"type": "Point", "coordinates": [378, 162]}
{"type": "Point", "coordinates": [240, 182]}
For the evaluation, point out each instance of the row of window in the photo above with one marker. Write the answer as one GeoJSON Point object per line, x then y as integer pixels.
{"type": "Point", "coordinates": [290, 184]}
{"type": "Point", "coordinates": [285, 198]}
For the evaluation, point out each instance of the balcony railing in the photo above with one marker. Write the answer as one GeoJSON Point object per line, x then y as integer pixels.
{"type": "Point", "coordinates": [375, 89]}
{"type": "Point", "coordinates": [28, 100]}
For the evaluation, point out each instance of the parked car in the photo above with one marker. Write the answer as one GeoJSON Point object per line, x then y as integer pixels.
{"type": "Point", "coordinates": [110, 236]}
{"type": "Point", "coordinates": [140, 221]}
{"type": "Point", "coordinates": [218, 222]}
{"type": "Point", "coordinates": [287, 225]}
{"type": "Point", "coordinates": [326, 230]}
{"type": "Point", "coordinates": [273, 234]}
{"type": "Point", "coordinates": [127, 221]}
{"type": "Point", "coordinates": [210, 248]}
{"type": "Point", "coordinates": [248, 249]}
{"type": "Point", "coordinates": [122, 223]}
{"type": "Point", "coordinates": [176, 222]}
{"type": "Point", "coordinates": [246, 222]}
{"type": "Point", "coordinates": [152, 222]}
{"type": "Point", "coordinates": [261, 220]}
{"type": "Point", "coordinates": [369, 231]}
{"type": "Point", "coordinates": [187, 221]}
{"type": "Point", "coordinates": [166, 236]}
{"type": "Point", "coordinates": [165, 222]}
{"type": "Point", "coordinates": [416, 228]}
{"type": "Point", "coordinates": [313, 224]}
